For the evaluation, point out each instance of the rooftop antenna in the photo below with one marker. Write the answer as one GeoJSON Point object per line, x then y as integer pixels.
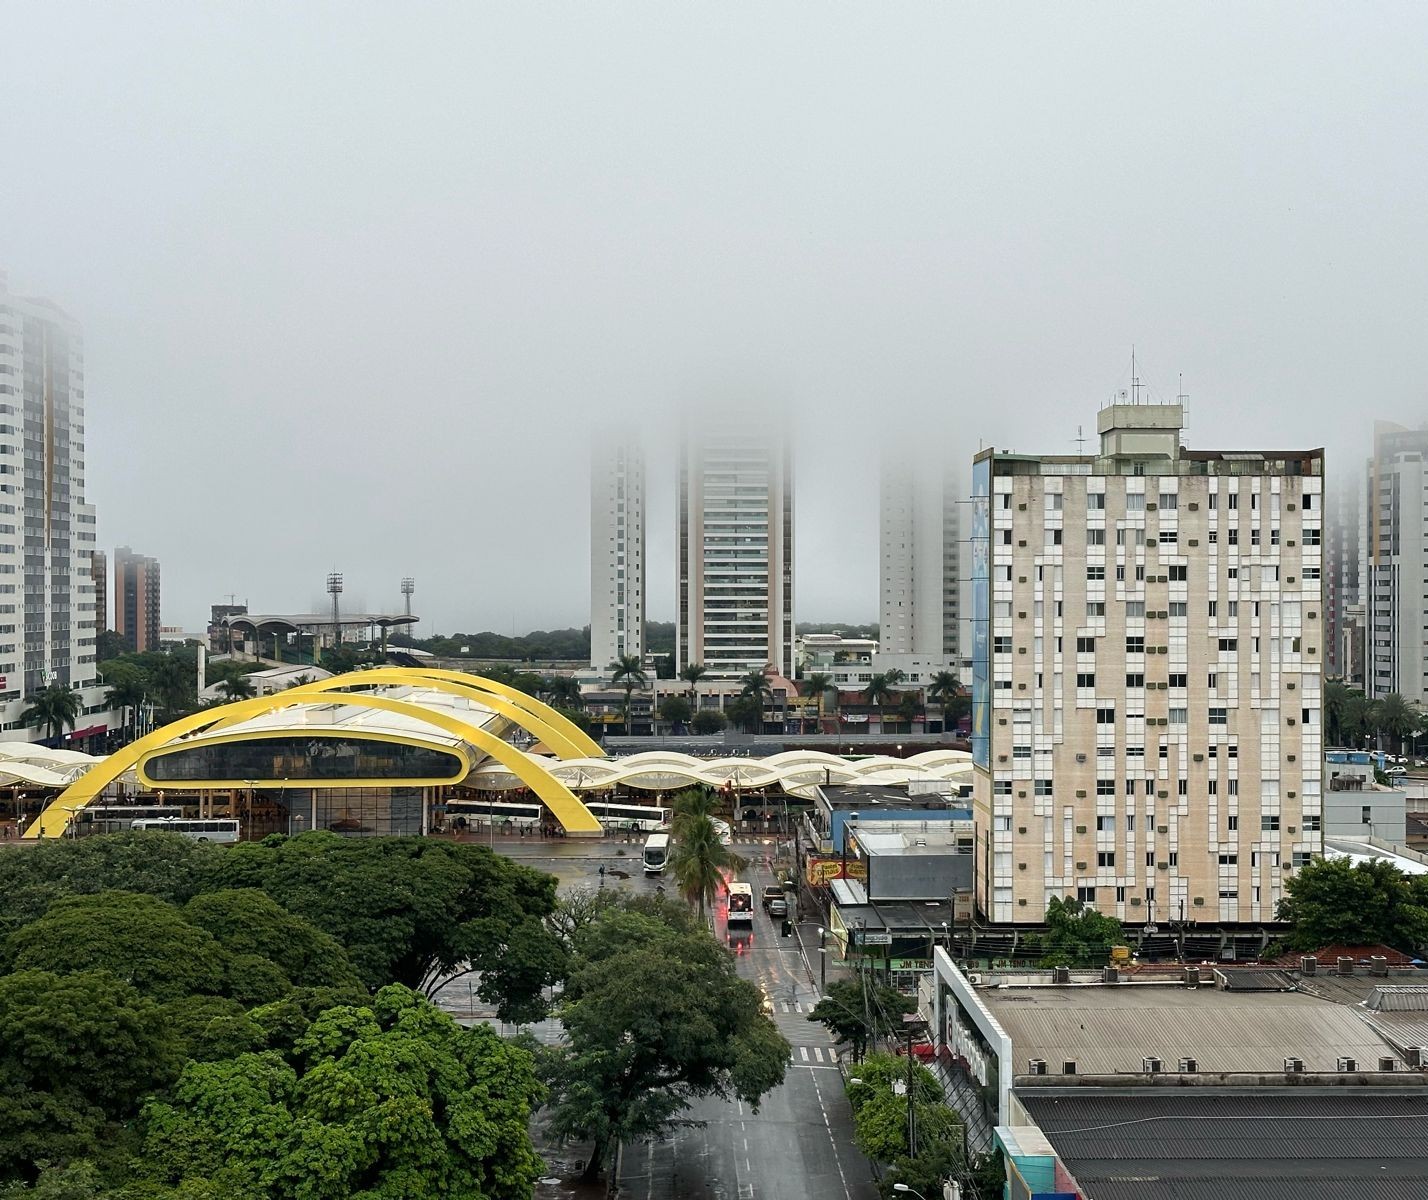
{"type": "Point", "coordinates": [1135, 380]}
{"type": "Point", "coordinates": [1080, 440]}
{"type": "Point", "coordinates": [1182, 398]}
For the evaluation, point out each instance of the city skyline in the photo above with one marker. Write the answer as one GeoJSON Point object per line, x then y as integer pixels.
{"type": "Point", "coordinates": [946, 244]}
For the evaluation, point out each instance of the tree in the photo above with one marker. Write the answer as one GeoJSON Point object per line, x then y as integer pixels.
{"type": "Point", "coordinates": [880, 1124]}
{"type": "Point", "coordinates": [138, 939]}
{"type": "Point", "coordinates": [127, 691]}
{"type": "Point", "coordinates": [746, 713]}
{"type": "Point", "coordinates": [1334, 902]}
{"type": "Point", "coordinates": [77, 1052]}
{"type": "Point", "coordinates": [692, 673]}
{"type": "Point", "coordinates": [945, 690]}
{"type": "Point", "coordinates": [54, 709]}
{"type": "Point", "coordinates": [859, 1011]}
{"type": "Point", "coordinates": [1076, 935]}
{"type": "Point", "coordinates": [108, 644]}
{"type": "Point", "coordinates": [819, 685]}
{"type": "Point", "coordinates": [563, 690]}
{"type": "Point", "coordinates": [627, 669]}
{"type": "Point", "coordinates": [877, 692]}
{"type": "Point", "coordinates": [412, 910]}
{"type": "Point", "coordinates": [391, 1100]}
{"type": "Point", "coordinates": [698, 860]}
{"type": "Point", "coordinates": [657, 1017]}
{"type": "Point", "coordinates": [755, 687]}
{"type": "Point", "coordinates": [675, 711]}
{"type": "Point", "coordinates": [173, 683]}
{"type": "Point", "coordinates": [1396, 720]}
{"type": "Point", "coordinates": [708, 720]}
{"type": "Point", "coordinates": [237, 687]}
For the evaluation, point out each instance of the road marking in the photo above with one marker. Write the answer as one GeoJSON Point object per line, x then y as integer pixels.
{"type": "Point", "coordinates": [828, 1125]}
{"type": "Point", "coordinates": [814, 1067]}
{"type": "Point", "coordinates": [804, 1051]}
{"type": "Point", "coordinates": [818, 1054]}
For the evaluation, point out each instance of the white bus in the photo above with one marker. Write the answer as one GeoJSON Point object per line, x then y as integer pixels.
{"type": "Point", "coordinates": [656, 854]}
{"type": "Point", "coordinates": [116, 818]}
{"type": "Point", "coordinates": [200, 829]}
{"type": "Point", "coordinates": [495, 812]}
{"type": "Point", "coordinates": [741, 904]}
{"type": "Point", "coordinates": [645, 817]}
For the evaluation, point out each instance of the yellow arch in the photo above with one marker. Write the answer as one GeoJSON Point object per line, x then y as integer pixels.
{"type": "Point", "coordinates": [557, 739]}
{"type": "Point", "coordinates": [586, 746]}
{"type": "Point", "coordinates": [568, 810]}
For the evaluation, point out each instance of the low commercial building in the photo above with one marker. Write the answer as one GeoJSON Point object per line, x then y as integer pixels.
{"type": "Point", "coordinates": [1357, 806]}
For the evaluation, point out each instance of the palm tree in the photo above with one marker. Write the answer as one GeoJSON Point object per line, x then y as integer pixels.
{"type": "Point", "coordinates": [945, 690]}
{"type": "Point", "coordinates": [127, 693]}
{"type": "Point", "coordinates": [699, 860]}
{"type": "Point", "coordinates": [691, 675]}
{"type": "Point", "coordinates": [237, 687]}
{"type": "Point", "coordinates": [692, 804]}
{"type": "Point", "coordinates": [877, 692]}
{"type": "Point", "coordinates": [819, 685]}
{"type": "Point", "coordinates": [52, 708]}
{"type": "Point", "coordinates": [173, 686]}
{"type": "Point", "coordinates": [627, 669]}
{"type": "Point", "coordinates": [755, 686]}
{"type": "Point", "coordinates": [1395, 719]}
{"type": "Point", "coordinates": [563, 690]}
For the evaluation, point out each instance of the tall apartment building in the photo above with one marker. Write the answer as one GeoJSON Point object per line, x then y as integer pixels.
{"type": "Point", "coordinates": [1395, 555]}
{"type": "Point", "coordinates": [1147, 675]}
{"type": "Point", "coordinates": [735, 553]}
{"type": "Point", "coordinates": [1343, 625]}
{"type": "Point", "coordinates": [136, 599]}
{"type": "Point", "coordinates": [617, 553]}
{"type": "Point", "coordinates": [99, 577]}
{"type": "Point", "coordinates": [47, 607]}
{"type": "Point", "coordinates": [922, 564]}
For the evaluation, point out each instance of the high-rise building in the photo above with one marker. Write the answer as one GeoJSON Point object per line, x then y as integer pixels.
{"type": "Point", "coordinates": [47, 604]}
{"type": "Point", "coordinates": [1343, 632]}
{"type": "Point", "coordinates": [617, 553]}
{"type": "Point", "coordinates": [1395, 555]}
{"type": "Point", "coordinates": [99, 576]}
{"type": "Point", "coordinates": [1147, 672]}
{"type": "Point", "coordinates": [136, 599]}
{"type": "Point", "coordinates": [735, 575]}
{"type": "Point", "coordinates": [922, 564]}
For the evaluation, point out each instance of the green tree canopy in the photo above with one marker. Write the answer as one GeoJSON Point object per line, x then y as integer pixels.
{"type": "Point", "coordinates": [246, 921]}
{"type": "Point", "coordinates": [675, 710]}
{"type": "Point", "coordinates": [698, 859]}
{"type": "Point", "coordinates": [859, 1011]}
{"type": "Point", "coordinates": [76, 1053]}
{"type": "Point", "coordinates": [1076, 935]}
{"type": "Point", "coordinates": [657, 1017]}
{"type": "Point", "coordinates": [141, 940]}
{"type": "Point", "coordinates": [54, 709]}
{"type": "Point", "coordinates": [412, 910]}
{"type": "Point", "coordinates": [389, 1102]}
{"type": "Point", "coordinates": [707, 721]}
{"type": "Point", "coordinates": [1332, 901]}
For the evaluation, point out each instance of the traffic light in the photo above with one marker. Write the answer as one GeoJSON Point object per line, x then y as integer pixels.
{"type": "Point", "coordinates": [787, 927]}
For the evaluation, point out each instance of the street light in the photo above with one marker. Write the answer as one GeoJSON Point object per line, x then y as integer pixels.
{"type": "Point", "coordinates": [902, 1187]}
{"type": "Point", "coordinates": [822, 959]}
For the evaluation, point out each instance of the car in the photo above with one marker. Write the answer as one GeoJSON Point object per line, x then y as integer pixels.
{"type": "Point", "coordinates": [778, 906]}
{"type": "Point", "coordinates": [770, 894]}
{"type": "Point", "coordinates": [1396, 771]}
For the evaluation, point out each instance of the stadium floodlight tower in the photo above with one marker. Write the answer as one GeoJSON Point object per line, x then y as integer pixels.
{"type": "Point", "coordinates": [334, 589]}
{"type": "Point", "coordinates": [408, 587]}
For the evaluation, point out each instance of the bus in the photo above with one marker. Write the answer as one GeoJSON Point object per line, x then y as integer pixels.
{"type": "Point", "coordinates": [200, 829]}
{"type": "Point", "coordinates": [741, 904]}
{"type": "Point", "coordinates": [116, 818]}
{"type": "Point", "coordinates": [645, 817]}
{"type": "Point", "coordinates": [656, 854]}
{"type": "Point", "coordinates": [495, 812]}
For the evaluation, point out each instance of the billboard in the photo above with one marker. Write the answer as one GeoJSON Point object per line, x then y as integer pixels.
{"type": "Point", "coordinates": [981, 614]}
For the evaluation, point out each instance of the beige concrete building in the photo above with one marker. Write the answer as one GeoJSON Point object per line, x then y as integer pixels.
{"type": "Point", "coordinates": [1147, 675]}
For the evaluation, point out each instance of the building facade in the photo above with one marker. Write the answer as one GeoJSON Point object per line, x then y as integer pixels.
{"type": "Point", "coordinates": [1395, 555]}
{"type": "Point", "coordinates": [735, 550]}
{"type": "Point", "coordinates": [921, 563]}
{"type": "Point", "coordinates": [136, 599]}
{"type": "Point", "coordinates": [1147, 675]}
{"type": "Point", "coordinates": [47, 531]}
{"type": "Point", "coordinates": [99, 576]}
{"type": "Point", "coordinates": [617, 553]}
{"type": "Point", "coordinates": [1343, 625]}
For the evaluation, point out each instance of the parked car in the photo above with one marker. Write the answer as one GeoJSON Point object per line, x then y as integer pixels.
{"type": "Point", "coordinates": [778, 907]}
{"type": "Point", "coordinates": [770, 894]}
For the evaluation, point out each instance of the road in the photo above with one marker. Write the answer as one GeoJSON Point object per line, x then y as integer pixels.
{"type": "Point", "coordinates": [800, 1142]}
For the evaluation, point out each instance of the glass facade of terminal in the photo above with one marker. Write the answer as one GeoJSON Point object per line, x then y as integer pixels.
{"type": "Point", "coordinates": [294, 759]}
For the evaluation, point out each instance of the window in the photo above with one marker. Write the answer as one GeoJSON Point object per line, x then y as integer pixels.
{"type": "Point", "coordinates": [1053, 537]}
{"type": "Point", "coordinates": [1229, 894]}
{"type": "Point", "coordinates": [1085, 645]}
{"type": "Point", "coordinates": [1095, 537]}
{"type": "Point", "coordinates": [1105, 716]}
{"type": "Point", "coordinates": [1105, 823]}
{"type": "Point", "coordinates": [1135, 681]}
{"type": "Point", "coordinates": [1178, 574]}
{"type": "Point", "coordinates": [1169, 537]}
{"type": "Point", "coordinates": [1232, 500]}
{"type": "Point", "coordinates": [1135, 645]}
{"type": "Point", "coordinates": [1135, 610]}
{"type": "Point", "coordinates": [1135, 502]}
{"type": "Point", "coordinates": [1178, 608]}
{"type": "Point", "coordinates": [1229, 645]}
{"type": "Point", "coordinates": [1312, 822]}
{"type": "Point", "coordinates": [1105, 858]}
{"type": "Point", "coordinates": [1001, 787]}
{"type": "Point", "coordinates": [1001, 645]}
{"type": "Point", "coordinates": [1053, 501]}
{"type": "Point", "coordinates": [1176, 716]}
{"type": "Point", "coordinates": [1095, 608]}
{"type": "Point", "coordinates": [1269, 822]}
{"type": "Point", "coordinates": [1120, 574]}
{"type": "Point", "coordinates": [1254, 537]}
{"type": "Point", "coordinates": [1098, 572]}
{"type": "Point", "coordinates": [1104, 787]}
{"type": "Point", "coordinates": [1232, 822]}
{"type": "Point", "coordinates": [1212, 680]}
{"type": "Point", "coordinates": [1120, 895]}
{"type": "Point", "coordinates": [1366, 814]}
{"type": "Point", "coordinates": [1096, 501]}
{"type": "Point", "coordinates": [1176, 680]}
{"type": "Point", "coordinates": [1001, 824]}
{"type": "Point", "coordinates": [1174, 858]}
{"type": "Point", "coordinates": [1302, 858]}
{"type": "Point", "coordinates": [1311, 537]}
{"type": "Point", "coordinates": [1219, 716]}
{"type": "Point", "coordinates": [1232, 608]}
{"type": "Point", "coordinates": [1212, 786]}
{"type": "Point", "coordinates": [1182, 787]}
{"type": "Point", "coordinates": [1168, 501]}
{"type": "Point", "coordinates": [1087, 895]}
{"type": "Point", "coordinates": [1086, 679]}
{"type": "Point", "coordinates": [1150, 858]}
{"type": "Point", "coordinates": [1042, 787]}
{"type": "Point", "coordinates": [1234, 537]}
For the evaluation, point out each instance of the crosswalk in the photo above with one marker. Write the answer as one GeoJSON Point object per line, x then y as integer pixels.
{"type": "Point", "coordinates": [787, 1007]}
{"type": "Point", "coordinates": [810, 1056]}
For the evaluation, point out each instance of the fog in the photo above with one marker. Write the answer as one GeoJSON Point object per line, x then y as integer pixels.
{"type": "Point", "coordinates": [358, 280]}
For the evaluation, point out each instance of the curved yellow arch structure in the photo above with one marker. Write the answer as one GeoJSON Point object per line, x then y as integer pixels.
{"type": "Point", "coordinates": [568, 810]}
{"type": "Point", "coordinates": [588, 747]}
{"type": "Point", "coordinates": [557, 739]}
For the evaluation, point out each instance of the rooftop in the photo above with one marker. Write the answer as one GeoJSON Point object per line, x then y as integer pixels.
{"type": "Point", "coordinates": [870, 798]}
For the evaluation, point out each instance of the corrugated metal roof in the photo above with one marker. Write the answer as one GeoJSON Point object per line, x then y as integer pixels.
{"type": "Point", "coordinates": [1213, 1143]}
{"type": "Point", "coordinates": [1398, 998]}
{"type": "Point", "coordinates": [1109, 1029]}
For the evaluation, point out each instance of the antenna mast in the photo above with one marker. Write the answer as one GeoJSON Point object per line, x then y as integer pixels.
{"type": "Point", "coordinates": [1135, 380]}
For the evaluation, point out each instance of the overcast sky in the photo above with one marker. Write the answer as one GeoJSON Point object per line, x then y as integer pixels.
{"type": "Point", "coordinates": [358, 280]}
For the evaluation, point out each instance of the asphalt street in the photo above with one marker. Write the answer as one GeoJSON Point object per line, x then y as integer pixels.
{"type": "Point", "coordinates": [800, 1142]}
